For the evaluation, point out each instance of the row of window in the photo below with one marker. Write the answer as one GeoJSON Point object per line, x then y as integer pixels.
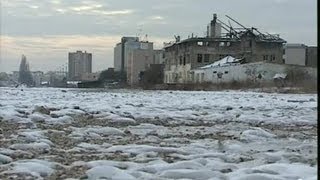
{"type": "Point", "coordinates": [206, 57]}
{"type": "Point", "coordinates": [200, 43]}
{"type": "Point", "coordinates": [269, 57]}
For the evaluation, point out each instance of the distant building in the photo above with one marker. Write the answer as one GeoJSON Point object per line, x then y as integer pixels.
{"type": "Point", "coordinates": [295, 54]}
{"type": "Point", "coordinates": [312, 56]}
{"type": "Point", "coordinates": [300, 54]}
{"type": "Point", "coordinates": [158, 57]}
{"type": "Point", "coordinates": [138, 61]}
{"type": "Point", "coordinates": [38, 78]}
{"type": "Point", "coordinates": [121, 52]}
{"type": "Point", "coordinates": [244, 43]}
{"type": "Point", "coordinates": [132, 57]}
{"type": "Point", "coordinates": [90, 76]}
{"type": "Point", "coordinates": [79, 64]}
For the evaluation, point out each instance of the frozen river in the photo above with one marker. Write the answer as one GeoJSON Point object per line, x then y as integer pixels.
{"type": "Point", "coordinates": [49, 133]}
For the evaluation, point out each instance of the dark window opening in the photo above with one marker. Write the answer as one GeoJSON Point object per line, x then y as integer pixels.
{"type": "Point", "coordinates": [199, 58]}
{"type": "Point", "coordinates": [206, 57]}
{"type": "Point", "coordinates": [180, 60]}
{"type": "Point", "coordinates": [214, 72]}
{"type": "Point", "coordinates": [226, 72]}
{"type": "Point", "coordinates": [184, 60]}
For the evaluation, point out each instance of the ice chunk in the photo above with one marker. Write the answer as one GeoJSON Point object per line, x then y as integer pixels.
{"type": "Point", "coordinates": [35, 167]}
{"type": "Point", "coordinates": [256, 134]}
{"type": "Point", "coordinates": [108, 172]}
{"type": "Point", "coordinates": [191, 174]}
{"type": "Point", "coordinates": [38, 147]}
{"type": "Point", "coordinates": [5, 159]}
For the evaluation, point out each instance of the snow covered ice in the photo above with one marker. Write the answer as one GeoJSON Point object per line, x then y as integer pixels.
{"type": "Point", "coordinates": [47, 133]}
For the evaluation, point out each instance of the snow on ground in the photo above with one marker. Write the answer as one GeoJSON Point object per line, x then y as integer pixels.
{"type": "Point", "coordinates": [47, 133]}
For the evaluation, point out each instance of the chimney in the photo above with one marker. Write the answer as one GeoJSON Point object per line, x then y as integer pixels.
{"type": "Point", "coordinates": [215, 28]}
{"type": "Point", "coordinates": [214, 18]}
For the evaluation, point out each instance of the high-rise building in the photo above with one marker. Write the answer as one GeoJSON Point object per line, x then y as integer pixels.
{"type": "Point", "coordinates": [121, 52]}
{"type": "Point", "coordinates": [79, 63]}
{"type": "Point", "coordinates": [131, 57]}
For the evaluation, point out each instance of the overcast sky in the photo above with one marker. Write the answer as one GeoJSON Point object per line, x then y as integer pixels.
{"type": "Point", "coordinates": [46, 30]}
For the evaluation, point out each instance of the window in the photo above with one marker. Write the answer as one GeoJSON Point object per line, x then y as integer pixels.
{"type": "Point", "coordinates": [188, 58]}
{"type": "Point", "coordinates": [221, 44]}
{"type": "Point", "coordinates": [199, 58]}
{"type": "Point", "coordinates": [214, 72]}
{"type": "Point", "coordinates": [226, 72]}
{"type": "Point", "coordinates": [200, 43]}
{"type": "Point", "coordinates": [202, 77]}
{"type": "Point", "coordinates": [180, 60]}
{"type": "Point", "coordinates": [184, 60]}
{"type": "Point", "coordinates": [206, 57]}
{"type": "Point", "coordinates": [228, 43]}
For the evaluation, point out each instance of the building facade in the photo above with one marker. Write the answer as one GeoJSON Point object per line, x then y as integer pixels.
{"type": "Point", "coordinates": [38, 77]}
{"type": "Point", "coordinates": [121, 52]}
{"type": "Point", "coordinates": [295, 54]}
{"type": "Point", "coordinates": [138, 61]}
{"type": "Point", "coordinates": [312, 56]}
{"type": "Point", "coordinates": [132, 57]}
{"type": "Point", "coordinates": [257, 72]}
{"type": "Point", "coordinates": [244, 43]}
{"type": "Point", "coordinates": [301, 54]}
{"type": "Point", "coordinates": [79, 63]}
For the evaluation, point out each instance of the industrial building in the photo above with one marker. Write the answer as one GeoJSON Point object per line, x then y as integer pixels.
{"type": "Point", "coordinates": [247, 44]}
{"type": "Point", "coordinates": [80, 63]}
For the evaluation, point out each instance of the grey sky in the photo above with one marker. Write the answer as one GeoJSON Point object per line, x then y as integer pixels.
{"type": "Point", "coordinates": [46, 30]}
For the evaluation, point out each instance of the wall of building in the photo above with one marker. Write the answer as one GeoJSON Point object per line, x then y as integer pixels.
{"type": "Point", "coordinates": [38, 77]}
{"type": "Point", "coordinates": [138, 60]}
{"type": "Point", "coordinates": [117, 57]}
{"type": "Point", "coordinates": [270, 52]}
{"type": "Point", "coordinates": [158, 57]}
{"type": "Point", "coordinates": [312, 56]}
{"type": "Point", "coordinates": [255, 72]}
{"type": "Point", "coordinates": [90, 76]}
{"type": "Point", "coordinates": [295, 54]}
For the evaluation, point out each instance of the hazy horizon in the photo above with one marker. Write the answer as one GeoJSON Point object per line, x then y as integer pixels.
{"type": "Point", "coordinates": [45, 31]}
